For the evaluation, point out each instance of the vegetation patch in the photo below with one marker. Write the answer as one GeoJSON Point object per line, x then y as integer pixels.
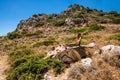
{"type": "Point", "coordinates": [20, 53]}
{"type": "Point", "coordinates": [74, 30]}
{"type": "Point", "coordinates": [33, 68]}
{"type": "Point", "coordinates": [116, 31]}
{"type": "Point", "coordinates": [39, 24]}
{"type": "Point", "coordinates": [47, 42]}
{"type": "Point", "coordinates": [95, 27]}
{"type": "Point", "coordinates": [13, 35]}
{"type": "Point", "coordinates": [10, 45]}
{"type": "Point", "coordinates": [59, 23]}
{"type": "Point", "coordinates": [37, 32]}
{"type": "Point", "coordinates": [26, 65]}
{"type": "Point", "coordinates": [116, 21]}
{"type": "Point", "coordinates": [69, 39]}
{"type": "Point", "coordinates": [115, 37]}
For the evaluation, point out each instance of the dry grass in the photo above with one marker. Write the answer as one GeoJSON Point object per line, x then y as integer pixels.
{"type": "Point", "coordinates": [101, 69]}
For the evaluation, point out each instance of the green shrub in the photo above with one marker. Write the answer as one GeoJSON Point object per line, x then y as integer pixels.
{"type": "Point", "coordinates": [103, 21]}
{"type": "Point", "coordinates": [78, 15]}
{"type": "Point", "coordinates": [22, 68]}
{"type": "Point", "coordinates": [24, 32]}
{"type": "Point", "coordinates": [116, 31]}
{"type": "Point", "coordinates": [59, 23]}
{"type": "Point", "coordinates": [47, 42]}
{"type": "Point", "coordinates": [20, 53]}
{"type": "Point", "coordinates": [10, 45]}
{"type": "Point", "coordinates": [24, 59]}
{"type": "Point", "coordinates": [37, 32]}
{"type": "Point", "coordinates": [73, 30]}
{"type": "Point", "coordinates": [39, 24]}
{"type": "Point", "coordinates": [13, 35]}
{"type": "Point", "coordinates": [33, 69]}
{"type": "Point", "coordinates": [34, 15]}
{"type": "Point", "coordinates": [95, 27]}
{"type": "Point", "coordinates": [116, 21]}
{"type": "Point", "coordinates": [17, 62]}
{"type": "Point", "coordinates": [70, 39]}
{"type": "Point", "coordinates": [114, 13]}
{"type": "Point", "coordinates": [115, 37]}
{"type": "Point", "coordinates": [38, 44]}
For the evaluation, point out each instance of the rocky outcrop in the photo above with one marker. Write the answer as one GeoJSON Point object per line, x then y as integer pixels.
{"type": "Point", "coordinates": [74, 14]}
{"type": "Point", "coordinates": [68, 56]}
{"type": "Point", "coordinates": [74, 54]}
{"type": "Point", "coordinates": [31, 21]}
{"type": "Point", "coordinates": [73, 21]}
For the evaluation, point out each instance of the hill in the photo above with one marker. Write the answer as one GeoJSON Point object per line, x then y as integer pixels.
{"type": "Point", "coordinates": [74, 13]}
{"type": "Point", "coordinates": [23, 50]}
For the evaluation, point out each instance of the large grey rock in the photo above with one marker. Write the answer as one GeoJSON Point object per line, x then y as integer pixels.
{"type": "Point", "coordinates": [71, 21]}
{"type": "Point", "coordinates": [110, 51]}
{"type": "Point", "coordinates": [86, 62]}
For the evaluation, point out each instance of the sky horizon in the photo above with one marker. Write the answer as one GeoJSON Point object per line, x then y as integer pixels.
{"type": "Point", "coordinates": [12, 11]}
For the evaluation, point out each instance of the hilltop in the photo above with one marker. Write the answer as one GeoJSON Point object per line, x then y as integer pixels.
{"type": "Point", "coordinates": [75, 14]}
{"type": "Point", "coordinates": [22, 51]}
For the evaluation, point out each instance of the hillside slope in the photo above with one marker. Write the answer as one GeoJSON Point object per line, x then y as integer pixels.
{"type": "Point", "coordinates": [25, 48]}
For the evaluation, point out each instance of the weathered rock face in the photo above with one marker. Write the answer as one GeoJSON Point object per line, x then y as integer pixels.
{"type": "Point", "coordinates": [110, 51]}
{"type": "Point", "coordinates": [31, 21]}
{"type": "Point", "coordinates": [71, 21]}
{"type": "Point", "coordinates": [74, 54]}
{"type": "Point", "coordinates": [68, 56]}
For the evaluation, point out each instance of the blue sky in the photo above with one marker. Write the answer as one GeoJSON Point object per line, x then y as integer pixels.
{"type": "Point", "coordinates": [12, 11]}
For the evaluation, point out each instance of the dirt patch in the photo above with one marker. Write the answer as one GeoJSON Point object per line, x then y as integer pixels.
{"type": "Point", "coordinates": [3, 66]}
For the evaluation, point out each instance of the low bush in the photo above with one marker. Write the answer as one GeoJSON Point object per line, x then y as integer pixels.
{"type": "Point", "coordinates": [59, 23]}
{"type": "Point", "coordinates": [39, 24]}
{"type": "Point", "coordinates": [13, 35]}
{"type": "Point", "coordinates": [73, 30]}
{"type": "Point", "coordinates": [10, 45]}
{"type": "Point", "coordinates": [69, 39]}
{"type": "Point", "coordinates": [113, 13]}
{"type": "Point", "coordinates": [95, 27]}
{"type": "Point", "coordinates": [38, 32]}
{"type": "Point", "coordinates": [20, 53]}
{"type": "Point", "coordinates": [47, 42]}
{"type": "Point", "coordinates": [116, 31]}
{"type": "Point", "coordinates": [115, 37]}
{"type": "Point", "coordinates": [26, 65]}
{"type": "Point", "coordinates": [37, 44]}
{"type": "Point", "coordinates": [33, 69]}
{"type": "Point", "coordinates": [116, 21]}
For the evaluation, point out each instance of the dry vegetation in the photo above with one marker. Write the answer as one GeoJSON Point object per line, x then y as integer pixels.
{"type": "Point", "coordinates": [22, 51]}
{"type": "Point", "coordinates": [26, 48]}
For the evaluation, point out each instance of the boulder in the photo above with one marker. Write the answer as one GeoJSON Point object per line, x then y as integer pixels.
{"type": "Point", "coordinates": [110, 51]}
{"type": "Point", "coordinates": [74, 54]}
{"type": "Point", "coordinates": [71, 21]}
{"type": "Point", "coordinates": [86, 62]}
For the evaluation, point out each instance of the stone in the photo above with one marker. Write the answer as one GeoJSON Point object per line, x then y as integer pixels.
{"type": "Point", "coordinates": [110, 50]}
{"type": "Point", "coordinates": [71, 21]}
{"type": "Point", "coordinates": [86, 62]}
